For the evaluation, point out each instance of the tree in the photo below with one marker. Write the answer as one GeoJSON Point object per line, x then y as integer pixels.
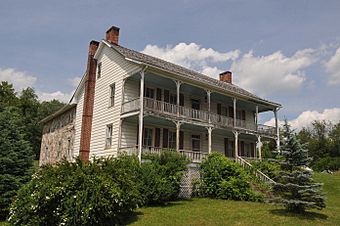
{"type": "Point", "coordinates": [16, 157]}
{"type": "Point", "coordinates": [295, 185]}
{"type": "Point", "coordinates": [7, 95]}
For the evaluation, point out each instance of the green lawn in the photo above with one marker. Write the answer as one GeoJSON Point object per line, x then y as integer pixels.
{"type": "Point", "coordinates": [220, 212]}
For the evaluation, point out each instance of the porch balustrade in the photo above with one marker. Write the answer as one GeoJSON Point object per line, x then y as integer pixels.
{"type": "Point", "coordinates": [161, 107]}
{"type": "Point", "coordinates": [193, 156]}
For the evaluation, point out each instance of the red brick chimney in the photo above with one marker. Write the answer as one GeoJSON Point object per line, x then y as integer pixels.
{"type": "Point", "coordinates": [112, 35]}
{"type": "Point", "coordinates": [90, 81]}
{"type": "Point", "coordinates": [226, 76]}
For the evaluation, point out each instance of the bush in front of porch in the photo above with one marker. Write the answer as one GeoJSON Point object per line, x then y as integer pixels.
{"type": "Point", "coordinates": [160, 177]}
{"type": "Point", "coordinates": [224, 179]}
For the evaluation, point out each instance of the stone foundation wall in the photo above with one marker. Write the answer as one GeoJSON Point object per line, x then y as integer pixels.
{"type": "Point", "coordinates": [58, 138]}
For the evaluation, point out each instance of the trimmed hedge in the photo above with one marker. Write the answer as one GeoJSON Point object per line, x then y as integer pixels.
{"type": "Point", "coordinates": [224, 179]}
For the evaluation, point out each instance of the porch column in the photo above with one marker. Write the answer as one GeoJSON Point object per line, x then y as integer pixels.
{"type": "Point", "coordinates": [236, 143]}
{"type": "Point", "coordinates": [178, 86]}
{"type": "Point", "coordinates": [256, 117]}
{"type": "Point", "coordinates": [209, 107]}
{"type": "Point", "coordinates": [209, 138]}
{"type": "Point", "coordinates": [141, 116]}
{"type": "Point", "coordinates": [120, 134]}
{"type": "Point", "coordinates": [258, 146]}
{"type": "Point", "coordinates": [277, 130]}
{"type": "Point", "coordinates": [178, 127]}
{"type": "Point", "coordinates": [234, 101]}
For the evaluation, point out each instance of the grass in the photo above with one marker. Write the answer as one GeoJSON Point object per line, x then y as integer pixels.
{"type": "Point", "coordinates": [222, 212]}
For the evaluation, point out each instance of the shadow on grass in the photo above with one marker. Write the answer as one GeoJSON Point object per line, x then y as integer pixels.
{"type": "Point", "coordinates": [133, 217]}
{"type": "Point", "coordinates": [303, 216]}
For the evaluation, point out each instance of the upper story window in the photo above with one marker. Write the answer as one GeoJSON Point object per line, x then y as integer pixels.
{"type": "Point", "coordinates": [99, 70]}
{"type": "Point", "coordinates": [108, 140]}
{"type": "Point", "coordinates": [112, 94]}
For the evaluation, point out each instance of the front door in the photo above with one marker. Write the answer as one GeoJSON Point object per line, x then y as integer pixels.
{"type": "Point", "coordinates": [195, 105]}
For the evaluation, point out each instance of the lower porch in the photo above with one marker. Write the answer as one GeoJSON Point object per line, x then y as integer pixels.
{"type": "Point", "coordinates": [193, 140]}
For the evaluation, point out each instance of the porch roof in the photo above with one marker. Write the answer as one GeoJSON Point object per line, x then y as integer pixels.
{"type": "Point", "coordinates": [186, 73]}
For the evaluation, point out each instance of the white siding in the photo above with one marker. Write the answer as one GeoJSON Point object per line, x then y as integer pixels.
{"type": "Point", "coordinates": [79, 118]}
{"type": "Point", "coordinates": [114, 69]}
{"type": "Point", "coordinates": [129, 134]}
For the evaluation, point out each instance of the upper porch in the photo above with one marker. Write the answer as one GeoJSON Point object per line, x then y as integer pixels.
{"type": "Point", "coordinates": [179, 100]}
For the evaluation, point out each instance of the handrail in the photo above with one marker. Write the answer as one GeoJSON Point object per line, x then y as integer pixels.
{"type": "Point", "coordinates": [246, 165]}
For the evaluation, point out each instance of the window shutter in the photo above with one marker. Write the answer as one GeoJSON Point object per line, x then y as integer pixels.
{"type": "Point", "coordinates": [165, 138]}
{"type": "Point", "coordinates": [157, 137]}
{"type": "Point", "coordinates": [231, 112]}
{"type": "Point", "coordinates": [159, 94]}
{"type": "Point", "coordinates": [181, 99]}
{"type": "Point", "coordinates": [181, 140]}
{"type": "Point", "coordinates": [242, 148]}
{"type": "Point", "coordinates": [219, 109]}
{"type": "Point", "coordinates": [252, 149]}
{"type": "Point", "coordinates": [166, 96]}
{"type": "Point", "coordinates": [243, 115]}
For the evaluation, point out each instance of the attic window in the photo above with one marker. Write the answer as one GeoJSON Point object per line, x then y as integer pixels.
{"type": "Point", "coordinates": [99, 70]}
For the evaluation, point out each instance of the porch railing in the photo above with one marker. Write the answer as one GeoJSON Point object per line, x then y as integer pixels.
{"type": "Point", "coordinates": [162, 107]}
{"type": "Point", "coordinates": [267, 130]}
{"type": "Point", "coordinates": [193, 156]}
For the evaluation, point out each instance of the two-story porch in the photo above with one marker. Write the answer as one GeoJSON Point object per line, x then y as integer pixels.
{"type": "Point", "coordinates": [163, 113]}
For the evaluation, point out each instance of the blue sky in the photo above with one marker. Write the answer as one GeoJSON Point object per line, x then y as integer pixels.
{"type": "Point", "coordinates": [285, 51]}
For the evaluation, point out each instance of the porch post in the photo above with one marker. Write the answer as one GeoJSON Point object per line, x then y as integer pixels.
{"type": "Point", "coordinates": [234, 101]}
{"type": "Point", "coordinates": [120, 133]}
{"type": "Point", "coordinates": [178, 86]}
{"type": "Point", "coordinates": [141, 116]}
{"type": "Point", "coordinates": [209, 108]}
{"type": "Point", "coordinates": [257, 117]}
{"type": "Point", "coordinates": [236, 143]}
{"type": "Point", "coordinates": [259, 145]}
{"type": "Point", "coordinates": [209, 139]}
{"type": "Point", "coordinates": [277, 130]}
{"type": "Point", "coordinates": [178, 127]}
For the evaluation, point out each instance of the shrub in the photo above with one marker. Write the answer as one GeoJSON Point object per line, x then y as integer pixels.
{"type": "Point", "coordinates": [327, 163]}
{"type": "Point", "coordinates": [101, 192]}
{"type": "Point", "coordinates": [225, 179]}
{"type": "Point", "coordinates": [271, 169]}
{"type": "Point", "coordinates": [161, 176]}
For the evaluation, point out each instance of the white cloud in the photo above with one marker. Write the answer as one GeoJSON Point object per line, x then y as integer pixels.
{"type": "Point", "coordinates": [19, 79]}
{"type": "Point", "coordinates": [307, 117]}
{"type": "Point", "coordinates": [74, 81]}
{"type": "Point", "coordinates": [333, 68]}
{"type": "Point", "coordinates": [274, 73]}
{"type": "Point", "coordinates": [192, 56]}
{"type": "Point", "coordinates": [45, 96]}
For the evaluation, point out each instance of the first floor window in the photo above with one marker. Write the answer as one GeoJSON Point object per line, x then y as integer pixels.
{"type": "Point", "coordinates": [172, 140]}
{"type": "Point", "coordinates": [147, 140]}
{"type": "Point", "coordinates": [108, 140]}
{"type": "Point", "coordinates": [196, 143]}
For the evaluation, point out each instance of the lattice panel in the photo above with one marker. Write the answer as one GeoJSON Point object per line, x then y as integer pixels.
{"type": "Point", "coordinates": [191, 174]}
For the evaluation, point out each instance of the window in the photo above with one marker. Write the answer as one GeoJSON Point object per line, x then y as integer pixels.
{"type": "Point", "coordinates": [112, 94]}
{"type": "Point", "coordinates": [172, 140]}
{"type": "Point", "coordinates": [147, 140]}
{"type": "Point", "coordinates": [108, 140]}
{"type": "Point", "coordinates": [196, 142]}
{"type": "Point", "coordinates": [99, 70]}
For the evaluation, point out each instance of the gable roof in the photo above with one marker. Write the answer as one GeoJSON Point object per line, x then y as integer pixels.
{"type": "Point", "coordinates": [184, 72]}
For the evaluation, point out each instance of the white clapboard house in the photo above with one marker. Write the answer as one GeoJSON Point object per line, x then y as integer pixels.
{"type": "Point", "coordinates": [131, 102]}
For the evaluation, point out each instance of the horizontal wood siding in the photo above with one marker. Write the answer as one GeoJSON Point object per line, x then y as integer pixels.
{"type": "Point", "coordinates": [79, 113]}
{"type": "Point", "coordinates": [114, 69]}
